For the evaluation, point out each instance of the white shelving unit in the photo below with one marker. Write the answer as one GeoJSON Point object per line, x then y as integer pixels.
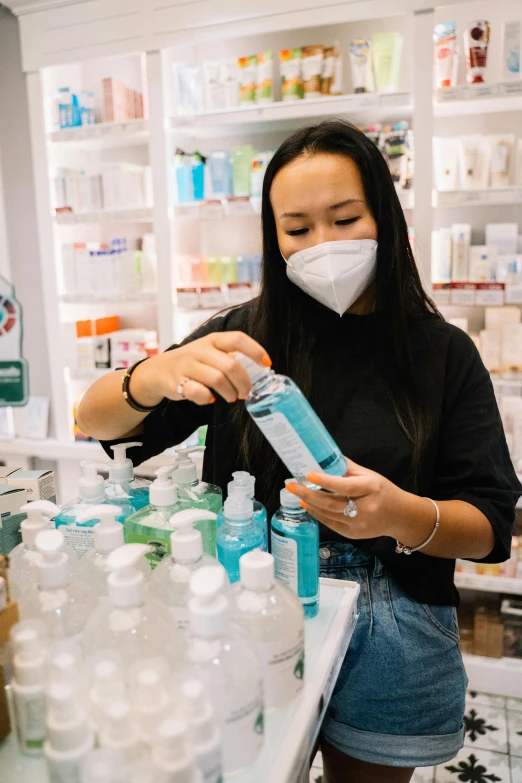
{"type": "Point", "coordinates": [489, 584]}
{"type": "Point", "coordinates": [501, 676]}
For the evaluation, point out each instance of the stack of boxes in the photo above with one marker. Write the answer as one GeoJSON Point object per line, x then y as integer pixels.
{"type": "Point", "coordinates": [491, 629]}
{"type": "Point", "coordinates": [101, 344]}
{"type": "Point", "coordinates": [120, 103]}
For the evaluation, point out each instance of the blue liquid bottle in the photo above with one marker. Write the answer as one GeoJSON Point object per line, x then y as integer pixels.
{"type": "Point", "coordinates": [290, 424]}
{"type": "Point", "coordinates": [295, 547]}
{"type": "Point", "coordinates": [245, 483]}
{"type": "Point", "coordinates": [122, 483]}
{"type": "Point", "coordinates": [238, 534]}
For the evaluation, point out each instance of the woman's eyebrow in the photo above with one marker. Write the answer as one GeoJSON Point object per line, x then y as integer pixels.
{"type": "Point", "coordinates": [341, 204]}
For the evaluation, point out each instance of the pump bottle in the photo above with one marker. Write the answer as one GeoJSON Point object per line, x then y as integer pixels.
{"type": "Point", "coordinates": [121, 733]}
{"type": "Point", "coordinates": [122, 483]}
{"type": "Point", "coordinates": [92, 492]}
{"type": "Point", "coordinates": [172, 754]}
{"type": "Point", "coordinates": [288, 421]}
{"type": "Point", "coordinates": [203, 730]}
{"type": "Point", "coordinates": [151, 525]}
{"type": "Point", "coordinates": [128, 623]}
{"type": "Point", "coordinates": [107, 536]}
{"type": "Point", "coordinates": [170, 580]}
{"type": "Point", "coordinates": [244, 482]}
{"type": "Point", "coordinates": [29, 686]}
{"type": "Point", "coordinates": [238, 534]}
{"type": "Point", "coordinates": [193, 493]}
{"type": "Point", "coordinates": [69, 736]}
{"type": "Point", "coordinates": [295, 547]}
{"type": "Point", "coordinates": [271, 615]}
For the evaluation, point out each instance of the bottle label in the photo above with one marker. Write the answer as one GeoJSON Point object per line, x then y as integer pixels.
{"type": "Point", "coordinates": [160, 547]}
{"type": "Point", "coordinates": [284, 551]}
{"type": "Point", "coordinates": [288, 445]}
{"type": "Point", "coordinates": [283, 662]}
{"type": "Point", "coordinates": [181, 617]}
{"type": "Point", "coordinates": [30, 720]}
{"type": "Point", "coordinates": [244, 729]}
{"type": "Point", "coordinates": [80, 539]}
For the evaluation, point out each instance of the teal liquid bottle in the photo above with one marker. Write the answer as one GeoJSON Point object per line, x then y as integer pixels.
{"type": "Point", "coordinates": [238, 534]}
{"type": "Point", "coordinates": [295, 547]}
{"type": "Point", "coordinates": [80, 535]}
{"type": "Point", "coordinates": [290, 424]}
{"type": "Point", "coordinates": [244, 482]}
{"type": "Point", "coordinates": [122, 483]}
{"type": "Point", "coordinates": [193, 493]}
{"type": "Point", "coordinates": [151, 524]}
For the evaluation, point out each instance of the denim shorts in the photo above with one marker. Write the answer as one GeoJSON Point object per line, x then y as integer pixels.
{"type": "Point", "coordinates": [400, 696]}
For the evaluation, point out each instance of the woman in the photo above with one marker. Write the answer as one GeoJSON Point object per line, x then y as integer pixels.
{"type": "Point", "coordinates": [406, 397]}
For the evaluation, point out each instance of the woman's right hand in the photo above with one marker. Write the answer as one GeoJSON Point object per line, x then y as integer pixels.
{"type": "Point", "coordinates": [202, 367]}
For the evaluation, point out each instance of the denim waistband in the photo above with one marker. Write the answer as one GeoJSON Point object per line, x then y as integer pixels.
{"type": "Point", "coordinates": [340, 553]}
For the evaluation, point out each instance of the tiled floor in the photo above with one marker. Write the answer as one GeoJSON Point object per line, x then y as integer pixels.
{"type": "Point", "coordinates": [493, 746]}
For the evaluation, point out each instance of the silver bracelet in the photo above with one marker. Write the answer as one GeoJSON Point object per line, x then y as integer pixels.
{"type": "Point", "coordinates": [401, 549]}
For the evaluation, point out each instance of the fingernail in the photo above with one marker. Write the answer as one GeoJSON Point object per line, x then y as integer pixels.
{"type": "Point", "coordinates": [244, 398]}
{"type": "Point", "coordinates": [234, 400]}
{"type": "Point", "coordinates": [303, 504]}
{"type": "Point", "coordinates": [291, 488]}
{"type": "Point", "coordinates": [266, 360]}
{"type": "Point", "coordinates": [313, 477]}
{"type": "Point", "coordinates": [212, 400]}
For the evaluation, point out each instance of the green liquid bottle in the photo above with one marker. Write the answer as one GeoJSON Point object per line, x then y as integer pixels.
{"type": "Point", "coordinates": [193, 493]}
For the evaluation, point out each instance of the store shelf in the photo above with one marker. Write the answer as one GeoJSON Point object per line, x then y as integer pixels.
{"type": "Point", "coordinates": [477, 198]}
{"type": "Point", "coordinates": [489, 584]}
{"type": "Point", "coordinates": [283, 115]}
{"type": "Point", "coordinates": [101, 299]}
{"type": "Point", "coordinates": [142, 215]}
{"type": "Point", "coordinates": [478, 99]}
{"type": "Point", "coordinates": [501, 676]}
{"type": "Point", "coordinates": [103, 135]}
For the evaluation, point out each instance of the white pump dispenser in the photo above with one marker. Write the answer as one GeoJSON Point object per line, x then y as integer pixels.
{"type": "Point", "coordinates": [170, 580]}
{"type": "Point", "coordinates": [244, 482]}
{"type": "Point", "coordinates": [121, 732]}
{"type": "Point", "coordinates": [121, 469]}
{"type": "Point", "coordinates": [185, 470]}
{"type": "Point", "coordinates": [69, 736]}
{"type": "Point", "coordinates": [150, 697]}
{"type": "Point", "coordinates": [162, 490]}
{"type": "Point", "coordinates": [91, 484]}
{"type": "Point", "coordinates": [203, 731]}
{"type": "Point", "coordinates": [29, 685]}
{"type": "Point", "coordinates": [107, 536]}
{"type": "Point", "coordinates": [128, 623]}
{"type": "Point", "coordinates": [122, 483]}
{"type": "Point", "coordinates": [171, 753]}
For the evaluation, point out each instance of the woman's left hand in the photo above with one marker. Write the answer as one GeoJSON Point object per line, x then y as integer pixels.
{"type": "Point", "coordinates": [380, 503]}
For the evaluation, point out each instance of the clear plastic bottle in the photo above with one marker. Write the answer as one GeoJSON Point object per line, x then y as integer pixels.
{"type": "Point", "coordinates": [170, 580]}
{"type": "Point", "coordinates": [295, 547]}
{"type": "Point", "coordinates": [238, 534]}
{"type": "Point", "coordinates": [126, 622]}
{"type": "Point", "coordinates": [171, 753]}
{"type": "Point", "coordinates": [69, 735]}
{"type": "Point", "coordinates": [150, 695]}
{"type": "Point", "coordinates": [224, 659]}
{"type": "Point", "coordinates": [91, 492]}
{"type": "Point", "coordinates": [107, 536]}
{"type": "Point", "coordinates": [151, 525]}
{"type": "Point", "coordinates": [22, 559]}
{"type": "Point", "coordinates": [28, 686]}
{"type": "Point", "coordinates": [122, 483]}
{"type": "Point", "coordinates": [120, 732]}
{"type": "Point", "coordinates": [106, 685]}
{"type": "Point", "coordinates": [245, 482]}
{"type": "Point", "coordinates": [204, 734]}
{"type": "Point", "coordinates": [273, 617]}
{"type": "Point", "coordinates": [288, 421]}
{"type": "Point", "coordinates": [63, 604]}
{"type": "Point", "coordinates": [193, 493]}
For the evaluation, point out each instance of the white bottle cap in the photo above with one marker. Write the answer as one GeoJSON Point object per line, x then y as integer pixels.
{"type": "Point", "coordinates": [63, 666]}
{"type": "Point", "coordinates": [200, 713]}
{"type": "Point", "coordinates": [29, 654]}
{"type": "Point", "coordinates": [126, 582]}
{"type": "Point", "coordinates": [170, 751]}
{"type": "Point", "coordinates": [91, 485]}
{"type": "Point", "coordinates": [185, 470]}
{"type": "Point", "coordinates": [255, 371]}
{"type": "Point", "coordinates": [244, 480]}
{"type": "Point", "coordinates": [208, 606]}
{"type": "Point", "coordinates": [186, 543]}
{"type": "Point", "coordinates": [107, 683]}
{"type": "Point", "coordinates": [256, 570]}
{"type": "Point", "coordinates": [150, 696]}
{"type": "Point", "coordinates": [288, 499]}
{"type": "Point", "coordinates": [162, 490]}
{"type": "Point", "coordinates": [121, 468]}
{"type": "Point", "coordinates": [239, 507]}
{"type": "Point", "coordinates": [119, 730]}
{"type": "Point", "coordinates": [108, 533]}
{"type": "Point", "coordinates": [53, 564]}
{"type": "Point", "coordinates": [67, 723]}
{"type": "Point", "coordinates": [39, 514]}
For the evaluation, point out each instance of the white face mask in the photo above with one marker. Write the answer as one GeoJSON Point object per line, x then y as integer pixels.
{"type": "Point", "coordinates": [334, 273]}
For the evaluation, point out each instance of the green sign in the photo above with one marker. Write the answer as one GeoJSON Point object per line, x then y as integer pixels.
{"type": "Point", "coordinates": [14, 376]}
{"type": "Point", "coordinates": [14, 385]}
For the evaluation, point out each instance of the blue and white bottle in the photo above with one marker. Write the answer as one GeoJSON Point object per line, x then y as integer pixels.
{"type": "Point", "coordinates": [295, 547]}
{"type": "Point", "coordinates": [238, 534]}
{"type": "Point", "coordinates": [245, 482]}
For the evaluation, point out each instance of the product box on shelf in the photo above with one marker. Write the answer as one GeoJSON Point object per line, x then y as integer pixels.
{"type": "Point", "coordinates": [39, 484]}
{"type": "Point", "coordinates": [120, 103]}
{"type": "Point", "coordinates": [11, 501]}
{"type": "Point", "coordinates": [512, 616]}
{"type": "Point", "coordinates": [5, 472]}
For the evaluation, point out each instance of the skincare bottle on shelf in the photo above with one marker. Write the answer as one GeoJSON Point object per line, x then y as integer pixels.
{"type": "Point", "coordinates": [238, 534]}
{"type": "Point", "coordinates": [151, 525]}
{"type": "Point", "coordinates": [272, 617]}
{"type": "Point", "coordinates": [122, 482]}
{"type": "Point", "coordinates": [226, 662]}
{"type": "Point", "coordinates": [28, 686]}
{"type": "Point", "coordinates": [295, 547]}
{"type": "Point", "coordinates": [170, 580]}
{"type": "Point", "coordinates": [204, 734]}
{"type": "Point", "coordinates": [243, 481]}
{"type": "Point", "coordinates": [461, 241]}
{"type": "Point", "coordinates": [193, 493]}
{"type": "Point", "coordinates": [288, 421]}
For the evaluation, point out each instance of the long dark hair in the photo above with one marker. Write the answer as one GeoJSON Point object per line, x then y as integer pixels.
{"type": "Point", "coordinates": [278, 318]}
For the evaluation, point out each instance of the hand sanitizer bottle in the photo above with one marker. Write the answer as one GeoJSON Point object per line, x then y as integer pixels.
{"type": "Point", "coordinates": [226, 662]}
{"type": "Point", "coordinates": [92, 492]}
{"type": "Point", "coordinates": [103, 765]}
{"type": "Point", "coordinates": [238, 534]}
{"type": "Point", "coordinates": [63, 604]}
{"type": "Point", "coordinates": [150, 698]}
{"type": "Point", "coordinates": [193, 493]}
{"type": "Point", "coordinates": [295, 547]}
{"type": "Point", "coordinates": [69, 736]}
{"type": "Point", "coordinates": [106, 685]}
{"type": "Point", "coordinates": [290, 424]}
{"type": "Point", "coordinates": [128, 623]}
{"type": "Point", "coordinates": [204, 734]}
{"type": "Point", "coordinates": [273, 617]}
{"type": "Point", "coordinates": [107, 536]}
{"type": "Point", "coordinates": [171, 753]}
{"type": "Point", "coordinates": [22, 559]}
{"type": "Point", "coordinates": [170, 580]}
{"type": "Point", "coordinates": [242, 480]}
{"type": "Point", "coordinates": [151, 525]}
{"type": "Point", "coordinates": [29, 686]}
{"type": "Point", "coordinates": [121, 732]}
{"type": "Point", "coordinates": [122, 482]}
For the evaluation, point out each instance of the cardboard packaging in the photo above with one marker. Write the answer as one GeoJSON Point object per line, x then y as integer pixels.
{"type": "Point", "coordinates": [5, 723]}
{"type": "Point", "coordinates": [39, 484]}
{"type": "Point", "coordinates": [11, 500]}
{"type": "Point", "coordinates": [5, 472]}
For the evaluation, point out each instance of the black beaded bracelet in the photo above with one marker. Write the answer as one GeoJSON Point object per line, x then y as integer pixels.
{"type": "Point", "coordinates": [129, 399]}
